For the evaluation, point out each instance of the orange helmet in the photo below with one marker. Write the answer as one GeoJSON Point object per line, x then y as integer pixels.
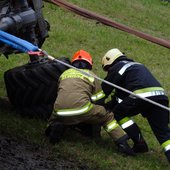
{"type": "Point", "coordinates": [82, 55]}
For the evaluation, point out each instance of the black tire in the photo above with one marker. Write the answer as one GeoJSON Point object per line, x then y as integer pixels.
{"type": "Point", "coordinates": [42, 111]}
{"type": "Point", "coordinates": [33, 85]}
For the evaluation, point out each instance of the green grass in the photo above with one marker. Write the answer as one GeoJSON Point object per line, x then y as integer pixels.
{"type": "Point", "coordinates": [69, 33]}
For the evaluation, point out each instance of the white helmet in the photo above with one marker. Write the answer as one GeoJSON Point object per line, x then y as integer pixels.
{"type": "Point", "coordinates": [110, 57]}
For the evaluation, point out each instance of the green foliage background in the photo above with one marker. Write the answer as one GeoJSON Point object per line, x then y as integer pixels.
{"type": "Point", "coordinates": [69, 33]}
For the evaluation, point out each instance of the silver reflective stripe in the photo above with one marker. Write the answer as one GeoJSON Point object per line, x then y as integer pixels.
{"type": "Point", "coordinates": [127, 124]}
{"type": "Point", "coordinates": [123, 69]}
{"type": "Point", "coordinates": [119, 100]}
{"type": "Point", "coordinates": [74, 112]}
{"type": "Point", "coordinates": [98, 96]}
{"type": "Point", "coordinates": [152, 93]}
{"type": "Point", "coordinates": [167, 148]}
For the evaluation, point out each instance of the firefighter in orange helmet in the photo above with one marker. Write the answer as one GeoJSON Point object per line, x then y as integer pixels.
{"type": "Point", "coordinates": [75, 103]}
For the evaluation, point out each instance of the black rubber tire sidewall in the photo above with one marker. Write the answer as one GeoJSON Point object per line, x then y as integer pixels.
{"type": "Point", "coordinates": [33, 85]}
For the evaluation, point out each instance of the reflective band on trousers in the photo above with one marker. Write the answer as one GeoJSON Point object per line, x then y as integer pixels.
{"type": "Point", "coordinates": [98, 96]}
{"type": "Point", "coordinates": [74, 112]}
{"type": "Point", "coordinates": [150, 91]}
{"type": "Point", "coordinates": [123, 69]}
{"type": "Point", "coordinates": [166, 145]}
{"type": "Point", "coordinates": [112, 125]}
{"type": "Point", "coordinates": [127, 124]}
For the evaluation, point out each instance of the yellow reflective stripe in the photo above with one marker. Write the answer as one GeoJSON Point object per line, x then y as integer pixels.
{"type": "Point", "coordinates": [98, 96]}
{"type": "Point", "coordinates": [74, 112]}
{"type": "Point", "coordinates": [166, 145]}
{"type": "Point", "coordinates": [150, 91]}
{"type": "Point", "coordinates": [124, 120]}
{"type": "Point", "coordinates": [112, 125]}
{"type": "Point", "coordinates": [72, 73]}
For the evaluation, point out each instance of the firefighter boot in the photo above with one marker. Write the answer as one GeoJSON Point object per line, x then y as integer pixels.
{"type": "Point", "coordinates": [54, 132]}
{"type": "Point", "coordinates": [140, 146]}
{"type": "Point", "coordinates": [123, 146]}
{"type": "Point", "coordinates": [135, 134]}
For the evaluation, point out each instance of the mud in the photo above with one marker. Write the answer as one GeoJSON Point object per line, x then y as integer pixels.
{"type": "Point", "coordinates": [17, 155]}
{"type": "Point", "coordinates": [21, 155]}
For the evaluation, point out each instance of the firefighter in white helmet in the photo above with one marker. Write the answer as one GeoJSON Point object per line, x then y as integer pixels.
{"type": "Point", "coordinates": [136, 78]}
{"type": "Point", "coordinates": [77, 93]}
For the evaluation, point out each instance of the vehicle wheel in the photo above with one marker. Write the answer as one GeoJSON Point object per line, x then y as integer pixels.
{"type": "Point", "coordinates": [34, 84]}
{"type": "Point", "coordinates": [42, 111]}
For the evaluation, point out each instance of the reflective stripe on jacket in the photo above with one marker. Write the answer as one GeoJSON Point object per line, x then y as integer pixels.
{"type": "Point", "coordinates": [150, 91]}
{"type": "Point", "coordinates": [72, 73]}
{"type": "Point", "coordinates": [74, 112]}
{"type": "Point", "coordinates": [134, 77]}
{"type": "Point", "coordinates": [97, 96]}
{"type": "Point", "coordinates": [75, 91]}
{"type": "Point", "coordinates": [126, 66]}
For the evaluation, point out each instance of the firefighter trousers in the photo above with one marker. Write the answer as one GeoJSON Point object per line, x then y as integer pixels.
{"type": "Point", "coordinates": [96, 115]}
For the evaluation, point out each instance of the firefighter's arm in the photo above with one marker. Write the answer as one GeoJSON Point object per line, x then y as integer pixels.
{"type": "Point", "coordinates": [98, 96]}
{"type": "Point", "coordinates": [110, 101]}
{"type": "Point", "coordinates": [101, 98]}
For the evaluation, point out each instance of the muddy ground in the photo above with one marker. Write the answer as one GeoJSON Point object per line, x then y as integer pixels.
{"type": "Point", "coordinates": [20, 155]}
{"type": "Point", "coordinates": [17, 155]}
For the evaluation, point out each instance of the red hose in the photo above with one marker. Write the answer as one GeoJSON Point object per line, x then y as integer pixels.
{"type": "Point", "coordinates": [108, 22]}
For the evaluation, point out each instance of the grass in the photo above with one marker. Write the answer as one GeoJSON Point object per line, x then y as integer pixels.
{"type": "Point", "coordinates": [70, 32]}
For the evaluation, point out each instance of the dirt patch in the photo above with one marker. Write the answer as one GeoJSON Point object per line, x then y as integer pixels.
{"type": "Point", "coordinates": [16, 155]}
{"type": "Point", "coordinates": [20, 155]}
